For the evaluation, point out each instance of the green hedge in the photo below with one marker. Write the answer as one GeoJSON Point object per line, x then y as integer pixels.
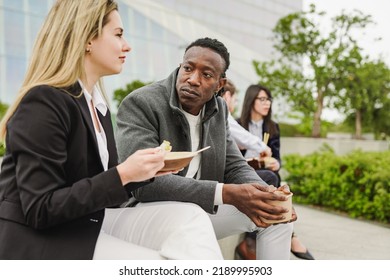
{"type": "Point", "coordinates": [357, 183]}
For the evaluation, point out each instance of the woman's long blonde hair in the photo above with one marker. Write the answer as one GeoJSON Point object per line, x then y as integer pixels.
{"type": "Point", "coordinates": [58, 54]}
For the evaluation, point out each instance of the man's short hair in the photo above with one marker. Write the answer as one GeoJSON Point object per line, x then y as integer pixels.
{"type": "Point", "coordinates": [214, 45]}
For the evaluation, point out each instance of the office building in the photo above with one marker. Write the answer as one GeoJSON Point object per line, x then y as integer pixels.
{"type": "Point", "coordinates": [158, 32]}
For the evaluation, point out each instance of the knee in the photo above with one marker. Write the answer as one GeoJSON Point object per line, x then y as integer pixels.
{"type": "Point", "coordinates": [193, 210]}
{"type": "Point", "coordinates": [287, 229]}
{"type": "Point", "coordinates": [189, 211]}
{"type": "Point", "coordinates": [283, 229]}
{"type": "Point", "coordinates": [269, 177]}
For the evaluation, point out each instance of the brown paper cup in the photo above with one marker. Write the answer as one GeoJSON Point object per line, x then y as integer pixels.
{"type": "Point", "coordinates": [286, 204]}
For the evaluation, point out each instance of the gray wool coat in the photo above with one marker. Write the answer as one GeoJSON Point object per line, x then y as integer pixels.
{"type": "Point", "coordinates": [151, 114]}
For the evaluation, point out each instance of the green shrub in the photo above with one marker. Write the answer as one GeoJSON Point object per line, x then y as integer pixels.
{"type": "Point", "coordinates": [356, 183]}
{"type": "Point", "coordinates": [288, 130]}
{"type": "Point", "coordinates": [303, 128]}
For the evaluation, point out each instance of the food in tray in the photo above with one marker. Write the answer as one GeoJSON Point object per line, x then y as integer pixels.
{"type": "Point", "coordinates": [259, 163]}
{"type": "Point", "coordinates": [166, 146]}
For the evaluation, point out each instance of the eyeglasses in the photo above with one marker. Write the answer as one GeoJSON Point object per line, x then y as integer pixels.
{"type": "Point", "coordinates": [264, 99]}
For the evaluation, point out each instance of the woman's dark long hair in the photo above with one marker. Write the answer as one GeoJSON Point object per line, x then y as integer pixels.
{"type": "Point", "coordinates": [250, 97]}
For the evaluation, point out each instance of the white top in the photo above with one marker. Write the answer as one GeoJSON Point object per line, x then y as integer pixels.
{"type": "Point", "coordinates": [96, 101]}
{"type": "Point", "coordinates": [195, 129]}
{"type": "Point", "coordinates": [194, 167]}
{"type": "Point", "coordinates": [255, 128]}
{"type": "Point", "coordinates": [245, 139]}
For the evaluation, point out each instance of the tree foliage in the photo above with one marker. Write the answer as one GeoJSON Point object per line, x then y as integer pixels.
{"type": "Point", "coordinates": [364, 85]}
{"type": "Point", "coordinates": [312, 65]}
{"type": "Point", "coordinates": [3, 110]}
{"type": "Point", "coordinates": [120, 94]}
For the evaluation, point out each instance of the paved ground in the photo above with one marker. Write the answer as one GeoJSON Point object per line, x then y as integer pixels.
{"type": "Point", "coordinates": [331, 236]}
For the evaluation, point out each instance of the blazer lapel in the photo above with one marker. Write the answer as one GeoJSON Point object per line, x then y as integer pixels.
{"type": "Point", "coordinates": [82, 103]}
{"type": "Point", "coordinates": [104, 120]}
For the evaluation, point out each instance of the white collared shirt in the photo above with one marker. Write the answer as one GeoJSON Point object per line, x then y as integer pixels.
{"type": "Point", "coordinates": [245, 139]}
{"type": "Point", "coordinates": [256, 128]}
{"type": "Point", "coordinates": [99, 104]}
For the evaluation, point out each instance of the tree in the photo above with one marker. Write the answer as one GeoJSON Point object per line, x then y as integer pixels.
{"type": "Point", "coordinates": [365, 85]}
{"type": "Point", "coordinates": [305, 71]}
{"type": "Point", "coordinates": [120, 94]}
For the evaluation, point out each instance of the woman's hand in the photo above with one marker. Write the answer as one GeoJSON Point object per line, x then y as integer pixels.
{"type": "Point", "coordinates": [266, 153]}
{"type": "Point", "coordinates": [142, 165]}
{"type": "Point", "coordinates": [273, 165]}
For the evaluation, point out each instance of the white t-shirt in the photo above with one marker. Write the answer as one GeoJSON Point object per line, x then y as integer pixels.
{"type": "Point", "coordinates": [194, 167]}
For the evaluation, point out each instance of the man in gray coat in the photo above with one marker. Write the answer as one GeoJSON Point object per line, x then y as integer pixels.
{"type": "Point", "coordinates": [185, 110]}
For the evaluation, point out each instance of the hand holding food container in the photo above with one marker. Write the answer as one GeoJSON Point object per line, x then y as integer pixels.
{"type": "Point", "coordinates": [177, 160]}
{"type": "Point", "coordinates": [285, 191]}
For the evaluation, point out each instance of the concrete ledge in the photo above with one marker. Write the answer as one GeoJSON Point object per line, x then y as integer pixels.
{"type": "Point", "coordinates": [307, 145]}
{"type": "Point", "coordinates": [228, 245]}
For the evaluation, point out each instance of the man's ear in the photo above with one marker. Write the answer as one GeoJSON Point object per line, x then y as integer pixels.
{"type": "Point", "coordinates": [222, 83]}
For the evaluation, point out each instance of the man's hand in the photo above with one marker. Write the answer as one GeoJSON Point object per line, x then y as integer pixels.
{"type": "Point", "coordinates": [251, 199]}
{"type": "Point", "coordinates": [294, 216]}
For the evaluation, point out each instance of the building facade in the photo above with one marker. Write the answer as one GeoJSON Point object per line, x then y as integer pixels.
{"type": "Point", "coordinates": [158, 32]}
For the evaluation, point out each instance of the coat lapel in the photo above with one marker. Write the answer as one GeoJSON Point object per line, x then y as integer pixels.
{"type": "Point", "coordinates": [82, 103]}
{"type": "Point", "coordinates": [104, 120]}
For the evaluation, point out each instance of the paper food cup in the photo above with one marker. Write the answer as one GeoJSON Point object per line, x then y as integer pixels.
{"type": "Point", "coordinates": [286, 204]}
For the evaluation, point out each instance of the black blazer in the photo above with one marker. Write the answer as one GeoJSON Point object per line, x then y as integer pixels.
{"type": "Point", "coordinates": [53, 190]}
{"type": "Point", "coordinates": [273, 142]}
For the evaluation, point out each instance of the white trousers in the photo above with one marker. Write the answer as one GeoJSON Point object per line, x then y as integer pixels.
{"type": "Point", "coordinates": [272, 243]}
{"type": "Point", "coordinates": [157, 230]}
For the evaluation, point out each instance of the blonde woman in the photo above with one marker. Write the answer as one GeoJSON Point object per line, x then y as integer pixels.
{"type": "Point", "coordinates": [60, 181]}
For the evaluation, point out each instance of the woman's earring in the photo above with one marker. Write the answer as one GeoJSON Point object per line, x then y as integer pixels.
{"type": "Point", "coordinates": [88, 50]}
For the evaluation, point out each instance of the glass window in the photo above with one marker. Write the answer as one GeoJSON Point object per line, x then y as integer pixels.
{"type": "Point", "coordinates": [140, 25]}
{"type": "Point", "coordinates": [14, 4]}
{"type": "Point", "coordinates": [14, 33]}
{"type": "Point", "coordinates": [3, 92]}
{"type": "Point", "coordinates": [159, 58]}
{"type": "Point", "coordinates": [35, 26]}
{"type": "Point", "coordinates": [124, 12]}
{"type": "Point", "coordinates": [38, 7]}
{"type": "Point", "coordinates": [15, 71]}
{"type": "Point", "coordinates": [157, 32]}
{"type": "Point", "coordinates": [141, 58]}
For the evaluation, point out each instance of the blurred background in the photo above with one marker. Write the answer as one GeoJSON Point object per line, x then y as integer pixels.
{"type": "Point", "coordinates": [158, 32]}
{"type": "Point", "coordinates": [325, 62]}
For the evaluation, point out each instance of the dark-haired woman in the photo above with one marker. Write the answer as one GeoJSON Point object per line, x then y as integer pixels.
{"type": "Point", "coordinates": [256, 117]}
